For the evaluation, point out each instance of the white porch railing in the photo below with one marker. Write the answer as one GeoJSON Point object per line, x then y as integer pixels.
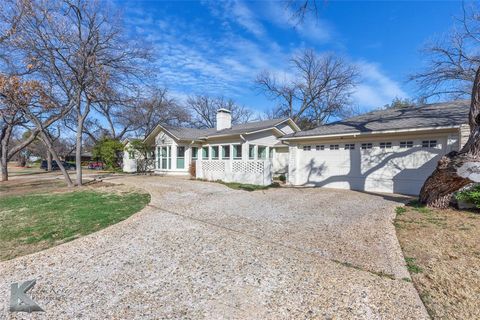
{"type": "Point", "coordinates": [258, 172]}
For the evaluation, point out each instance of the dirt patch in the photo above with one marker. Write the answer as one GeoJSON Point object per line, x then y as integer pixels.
{"type": "Point", "coordinates": [442, 253]}
{"type": "Point", "coordinates": [30, 186]}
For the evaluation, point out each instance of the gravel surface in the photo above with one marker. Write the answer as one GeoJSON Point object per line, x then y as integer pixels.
{"type": "Point", "coordinates": [202, 250]}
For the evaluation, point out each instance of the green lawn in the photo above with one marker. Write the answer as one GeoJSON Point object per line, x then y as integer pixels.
{"type": "Point", "coordinates": [33, 222]}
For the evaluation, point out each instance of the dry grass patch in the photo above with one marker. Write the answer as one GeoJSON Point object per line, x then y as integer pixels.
{"type": "Point", "coordinates": [442, 253]}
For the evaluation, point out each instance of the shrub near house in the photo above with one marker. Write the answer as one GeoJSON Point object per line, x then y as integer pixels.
{"type": "Point", "coordinates": [108, 150]}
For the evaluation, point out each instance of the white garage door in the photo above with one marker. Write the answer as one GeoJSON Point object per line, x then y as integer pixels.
{"type": "Point", "coordinates": [398, 166]}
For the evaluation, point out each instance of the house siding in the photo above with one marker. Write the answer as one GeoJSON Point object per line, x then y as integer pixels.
{"type": "Point", "coordinates": [464, 134]}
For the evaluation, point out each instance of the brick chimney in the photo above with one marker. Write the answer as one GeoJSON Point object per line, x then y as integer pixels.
{"type": "Point", "coordinates": [224, 119]}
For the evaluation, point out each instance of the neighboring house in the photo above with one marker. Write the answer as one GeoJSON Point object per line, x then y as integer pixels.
{"type": "Point", "coordinates": [392, 150]}
{"type": "Point", "coordinates": [131, 156]}
{"type": "Point", "coordinates": [227, 152]}
{"type": "Point", "coordinates": [86, 156]}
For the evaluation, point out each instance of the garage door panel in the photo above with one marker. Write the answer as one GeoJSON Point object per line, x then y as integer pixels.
{"type": "Point", "coordinates": [400, 170]}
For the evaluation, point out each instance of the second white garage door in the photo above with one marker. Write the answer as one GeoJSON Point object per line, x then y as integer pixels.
{"type": "Point", "coordinates": [393, 166]}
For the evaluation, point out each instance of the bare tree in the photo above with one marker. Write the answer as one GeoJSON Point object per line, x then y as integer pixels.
{"type": "Point", "coordinates": [204, 111]}
{"type": "Point", "coordinates": [79, 47]}
{"type": "Point", "coordinates": [452, 60]}
{"type": "Point", "coordinates": [456, 169]}
{"type": "Point", "coordinates": [29, 99]}
{"type": "Point", "coordinates": [157, 107]}
{"type": "Point", "coordinates": [454, 66]}
{"type": "Point", "coordinates": [321, 88]}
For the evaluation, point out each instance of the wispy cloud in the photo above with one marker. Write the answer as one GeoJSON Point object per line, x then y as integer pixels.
{"type": "Point", "coordinates": [193, 60]}
{"type": "Point", "coordinates": [312, 29]}
{"type": "Point", "coordinates": [236, 12]}
{"type": "Point", "coordinates": [376, 89]}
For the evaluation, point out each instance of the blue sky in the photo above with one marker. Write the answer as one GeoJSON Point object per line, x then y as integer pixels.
{"type": "Point", "coordinates": [218, 47]}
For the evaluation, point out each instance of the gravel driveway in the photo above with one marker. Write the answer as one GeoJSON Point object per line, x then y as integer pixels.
{"type": "Point", "coordinates": [202, 250]}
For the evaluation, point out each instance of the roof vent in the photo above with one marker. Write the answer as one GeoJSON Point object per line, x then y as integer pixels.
{"type": "Point", "coordinates": [224, 119]}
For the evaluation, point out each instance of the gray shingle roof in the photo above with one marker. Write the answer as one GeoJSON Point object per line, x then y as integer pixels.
{"type": "Point", "coordinates": [430, 115]}
{"type": "Point", "coordinates": [194, 134]}
{"type": "Point", "coordinates": [188, 133]}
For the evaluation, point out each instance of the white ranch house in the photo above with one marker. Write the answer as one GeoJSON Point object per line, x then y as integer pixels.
{"type": "Point", "coordinates": [392, 150]}
{"type": "Point", "coordinates": [248, 153]}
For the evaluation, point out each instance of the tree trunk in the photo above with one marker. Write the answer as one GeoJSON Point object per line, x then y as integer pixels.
{"type": "Point", "coordinates": [49, 161]}
{"type": "Point", "coordinates": [78, 150]}
{"type": "Point", "coordinates": [54, 154]}
{"type": "Point", "coordinates": [3, 164]}
{"type": "Point", "coordinates": [6, 134]}
{"type": "Point", "coordinates": [457, 169]}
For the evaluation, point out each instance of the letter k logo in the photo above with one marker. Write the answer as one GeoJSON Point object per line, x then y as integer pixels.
{"type": "Point", "coordinates": [19, 301]}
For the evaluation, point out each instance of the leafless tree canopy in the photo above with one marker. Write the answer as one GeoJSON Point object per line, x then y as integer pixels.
{"type": "Point", "coordinates": [320, 88]}
{"type": "Point", "coordinates": [157, 107]}
{"type": "Point", "coordinates": [452, 60]}
{"type": "Point", "coordinates": [203, 110]}
{"type": "Point", "coordinates": [78, 49]}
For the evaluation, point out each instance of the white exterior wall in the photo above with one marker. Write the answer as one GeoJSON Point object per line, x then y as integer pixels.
{"type": "Point", "coordinates": [464, 134]}
{"type": "Point", "coordinates": [395, 170]}
{"type": "Point", "coordinates": [263, 138]}
{"type": "Point", "coordinates": [280, 160]}
{"type": "Point", "coordinates": [129, 165]}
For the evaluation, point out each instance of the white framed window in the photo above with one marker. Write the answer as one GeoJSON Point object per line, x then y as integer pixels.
{"type": "Point", "coordinates": [226, 152]}
{"type": "Point", "coordinates": [251, 152]}
{"type": "Point", "coordinates": [262, 152]}
{"type": "Point", "coordinates": [237, 151]}
{"type": "Point", "coordinates": [429, 144]}
{"type": "Point", "coordinates": [215, 153]}
{"type": "Point", "coordinates": [334, 147]}
{"type": "Point", "coordinates": [307, 148]}
{"type": "Point", "coordinates": [385, 145]}
{"type": "Point", "coordinates": [365, 146]}
{"type": "Point", "coordinates": [205, 153]}
{"type": "Point", "coordinates": [180, 157]}
{"type": "Point", "coordinates": [320, 147]}
{"type": "Point", "coordinates": [194, 153]}
{"type": "Point", "coordinates": [349, 146]}
{"type": "Point", "coordinates": [406, 144]}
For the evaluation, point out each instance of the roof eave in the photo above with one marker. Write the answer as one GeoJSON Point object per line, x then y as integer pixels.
{"type": "Point", "coordinates": [354, 134]}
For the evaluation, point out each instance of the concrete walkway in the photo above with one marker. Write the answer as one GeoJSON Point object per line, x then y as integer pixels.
{"type": "Point", "coordinates": [202, 250]}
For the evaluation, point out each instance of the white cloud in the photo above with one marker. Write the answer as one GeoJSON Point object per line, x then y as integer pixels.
{"type": "Point", "coordinates": [246, 18]}
{"type": "Point", "coordinates": [193, 60]}
{"type": "Point", "coordinates": [313, 29]}
{"type": "Point", "coordinates": [375, 89]}
{"type": "Point", "coordinates": [236, 12]}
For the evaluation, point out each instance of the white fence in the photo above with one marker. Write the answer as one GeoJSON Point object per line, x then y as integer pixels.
{"type": "Point", "coordinates": [258, 172]}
